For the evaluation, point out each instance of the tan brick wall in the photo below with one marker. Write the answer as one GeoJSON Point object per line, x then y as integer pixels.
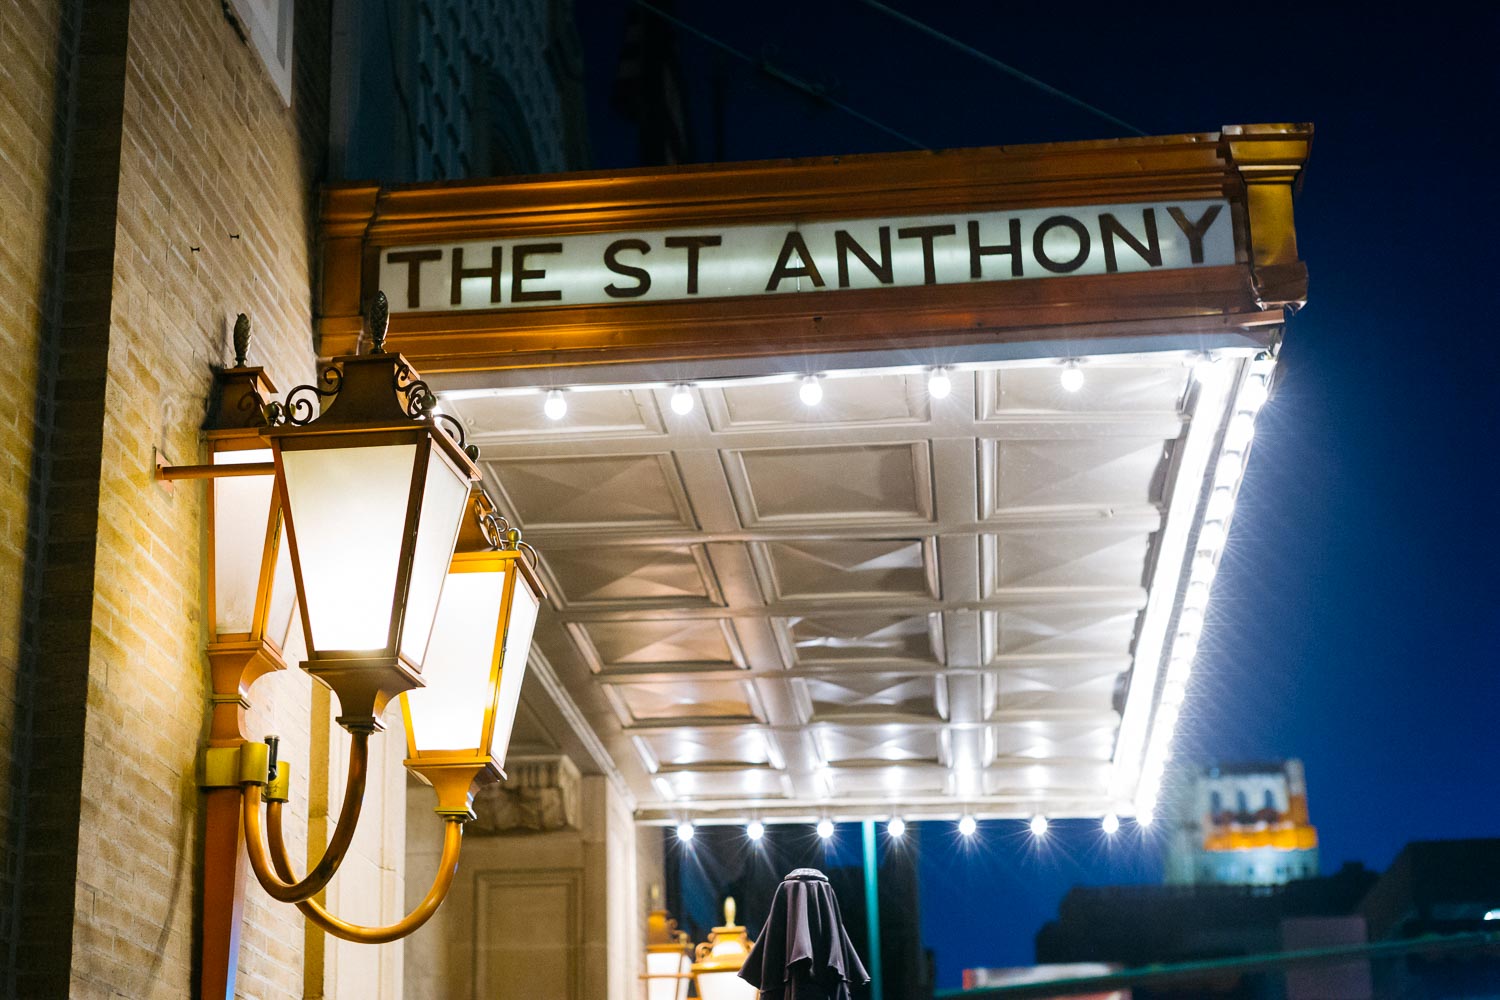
{"type": "Point", "coordinates": [216, 181]}
{"type": "Point", "coordinates": [31, 32]}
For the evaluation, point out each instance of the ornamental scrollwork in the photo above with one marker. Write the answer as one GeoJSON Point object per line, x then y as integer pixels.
{"type": "Point", "coordinates": [297, 408]}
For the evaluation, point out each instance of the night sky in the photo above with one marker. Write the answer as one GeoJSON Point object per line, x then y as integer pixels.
{"type": "Point", "coordinates": [1355, 619]}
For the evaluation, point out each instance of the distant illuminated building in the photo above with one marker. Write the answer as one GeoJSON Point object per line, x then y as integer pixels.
{"type": "Point", "coordinates": [1244, 824]}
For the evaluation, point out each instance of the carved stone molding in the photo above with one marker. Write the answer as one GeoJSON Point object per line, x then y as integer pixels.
{"type": "Point", "coordinates": [540, 794]}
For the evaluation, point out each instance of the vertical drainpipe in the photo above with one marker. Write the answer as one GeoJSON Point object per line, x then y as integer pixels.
{"type": "Point", "coordinates": [872, 910]}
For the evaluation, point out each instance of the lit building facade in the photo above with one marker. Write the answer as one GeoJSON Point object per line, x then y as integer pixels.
{"type": "Point", "coordinates": [1244, 824]}
{"type": "Point", "coordinates": [863, 488]}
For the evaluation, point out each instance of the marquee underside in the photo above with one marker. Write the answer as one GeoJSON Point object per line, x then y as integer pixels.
{"type": "Point", "coordinates": [885, 603]}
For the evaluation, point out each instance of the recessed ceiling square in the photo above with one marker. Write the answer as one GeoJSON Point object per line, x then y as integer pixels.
{"type": "Point", "coordinates": [593, 492]}
{"type": "Point", "coordinates": [623, 576]}
{"type": "Point", "coordinates": [858, 482]}
{"type": "Point", "coordinates": [849, 568]}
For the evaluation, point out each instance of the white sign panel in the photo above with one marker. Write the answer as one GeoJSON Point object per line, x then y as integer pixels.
{"type": "Point", "coordinates": [713, 262]}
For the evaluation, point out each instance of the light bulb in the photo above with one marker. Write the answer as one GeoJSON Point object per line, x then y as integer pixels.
{"type": "Point", "coordinates": [1143, 817]}
{"type": "Point", "coordinates": [811, 391]}
{"type": "Point", "coordinates": [967, 825]}
{"type": "Point", "coordinates": [685, 831]}
{"type": "Point", "coordinates": [825, 829]}
{"type": "Point", "coordinates": [939, 385]}
{"type": "Point", "coordinates": [755, 829]}
{"type": "Point", "coordinates": [1211, 538]}
{"type": "Point", "coordinates": [1072, 377]}
{"type": "Point", "coordinates": [1039, 825]}
{"type": "Point", "coordinates": [1220, 504]}
{"type": "Point", "coordinates": [1239, 432]}
{"type": "Point", "coordinates": [1110, 824]}
{"type": "Point", "coordinates": [682, 401]}
{"type": "Point", "coordinates": [1255, 393]}
{"type": "Point", "coordinates": [896, 828]}
{"type": "Point", "coordinates": [1175, 690]}
{"type": "Point", "coordinates": [556, 406]}
{"type": "Point", "coordinates": [1231, 464]}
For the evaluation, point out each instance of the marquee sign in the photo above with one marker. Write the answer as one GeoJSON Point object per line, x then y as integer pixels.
{"type": "Point", "coordinates": [757, 260]}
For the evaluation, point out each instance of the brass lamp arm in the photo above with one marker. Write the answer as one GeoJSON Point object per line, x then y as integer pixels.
{"type": "Point", "coordinates": [286, 888]}
{"type": "Point", "coordinates": [447, 867]}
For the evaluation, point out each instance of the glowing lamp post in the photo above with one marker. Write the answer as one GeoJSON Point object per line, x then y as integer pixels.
{"type": "Point", "coordinates": [716, 972]}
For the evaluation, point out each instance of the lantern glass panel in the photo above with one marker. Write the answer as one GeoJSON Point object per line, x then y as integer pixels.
{"type": "Point", "coordinates": [242, 509]}
{"type": "Point", "coordinates": [348, 508]}
{"type": "Point", "coordinates": [666, 965]}
{"type": "Point", "coordinates": [523, 613]}
{"type": "Point", "coordinates": [282, 607]}
{"type": "Point", "coordinates": [724, 986]}
{"type": "Point", "coordinates": [448, 714]}
{"type": "Point", "coordinates": [445, 497]}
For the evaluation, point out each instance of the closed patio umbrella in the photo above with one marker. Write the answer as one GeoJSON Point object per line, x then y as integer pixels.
{"type": "Point", "coordinates": [803, 952]}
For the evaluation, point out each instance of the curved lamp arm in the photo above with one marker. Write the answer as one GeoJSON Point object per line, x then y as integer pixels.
{"type": "Point", "coordinates": [286, 888]}
{"type": "Point", "coordinates": [453, 833]}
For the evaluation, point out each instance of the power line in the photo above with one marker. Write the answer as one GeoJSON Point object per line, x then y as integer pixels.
{"type": "Point", "coordinates": [780, 75]}
{"type": "Point", "coordinates": [1003, 67]}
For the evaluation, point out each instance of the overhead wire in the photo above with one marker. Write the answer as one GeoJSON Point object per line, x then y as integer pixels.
{"type": "Point", "coordinates": [780, 75]}
{"type": "Point", "coordinates": [997, 64]}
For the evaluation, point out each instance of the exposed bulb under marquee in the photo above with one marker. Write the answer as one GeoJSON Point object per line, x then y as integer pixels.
{"type": "Point", "coordinates": [811, 391]}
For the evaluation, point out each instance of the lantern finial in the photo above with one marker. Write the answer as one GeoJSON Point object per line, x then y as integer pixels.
{"type": "Point", "coordinates": [241, 339]}
{"type": "Point", "coordinates": [380, 321]}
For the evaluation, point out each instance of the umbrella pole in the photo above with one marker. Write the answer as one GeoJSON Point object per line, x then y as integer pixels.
{"type": "Point", "coordinates": [872, 909]}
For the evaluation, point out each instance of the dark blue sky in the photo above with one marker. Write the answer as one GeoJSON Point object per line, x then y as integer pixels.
{"type": "Point", "coordinates": [1355, 621]}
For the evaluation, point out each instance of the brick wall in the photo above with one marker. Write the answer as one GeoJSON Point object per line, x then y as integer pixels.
{"type": "Point", "coordinates": [34, 57]}
{"type": "Point", "coordinates": [190, 199]}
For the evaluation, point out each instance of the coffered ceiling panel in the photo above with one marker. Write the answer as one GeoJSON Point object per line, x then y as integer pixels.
{"type": "Point", "coordinates": [873, 695]}
{"type": "Point", "coordinates": [1126, 389]}
{"type": "Point", "coordinates": [1052, 689]}
{"type": "Point", "coordinates": [832, 485]}
{"type": "Point", "coordinates": [596, 492]}
{"type": "Point", "coordinates": [884, 601]}
{"type": "Point", "coordinates": [893, 783]}
{"type": "Point", "coordinates": [686, 786]}
{"type": "Point", "coordinates": [687, 699]}
{"type": "Point", "coordinates": [629, 576]}
{"type": "Point", "coordinates": [877, 744]}
{"type": "Point", "coordinates": [849, 569]}
{"type": "Point", "coordinates": [1084, 558]}
{"type": "Point", "coordinates": [876, 399]}
{"type": "Point", "coordinates": [863, 638]}
{"type": "Point", "coordinates": [1059, 630]}
{"type": "Point", "coordinates": [608, 412]}
{"type": "Point", "coordinates": [1042, 783]}
{"type": "Point", "coordinates": [1093, 474]}
{"type": "Point", "coordinates": [680, 749]}
{"type": "Point", "coordinates": [1052, 740]}
{"type": "Point", "coordinates": [681, 643]}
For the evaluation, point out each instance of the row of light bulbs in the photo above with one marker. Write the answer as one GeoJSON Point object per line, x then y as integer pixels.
{"type": "Point", "coordinates": [810, 391]}
{"type": "Point", "coordinates": [1238, 434]}
{"type": "Point", "coordinates": [895, 827]}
